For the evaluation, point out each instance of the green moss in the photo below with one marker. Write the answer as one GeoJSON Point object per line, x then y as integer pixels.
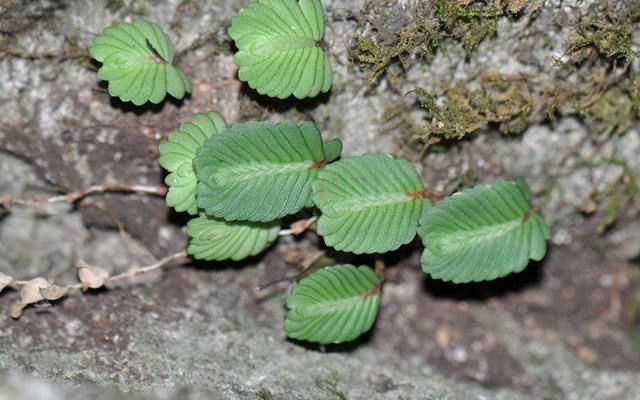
{"type": "Point", "coordinates": [114, 5]}
{"type": "Point", "coordinates": [610, 105]}
{"type": "Point", "coordinates": [599, 90]}
{"type": "Point", "coordinates": [461, 110]}
{"type": "Point", "coordinates": [615, 197]}
{"type": "Point", "coordinates": [468, 22]}
{"type": "Point", "coordinates": [605, 30]}
{"type": "Point", "coordinates": [421, 36]}
{"type": "Point", "coordinates": [454, 118]}
{"type": "Point", "coordinates": [614, 110]}
{"type": "Point", "coordinates": [264, 394]}
{"type": "Point", "coordinates": [609, 38]}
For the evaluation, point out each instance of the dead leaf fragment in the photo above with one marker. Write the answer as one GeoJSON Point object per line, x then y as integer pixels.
{"type": "Point", "coordinates": [30, 292]}
{"type": "Point", "coordinates": [301, 226]}
{"type": "Point", "coordinates": [443, 336]}
{"type": "Point", "coordinates": [587, 355]}
{"type": "Point", "coordinates": [5, 280]}
{"type": "Point", "coordinates": [514, 6]}
{"type": "Point", "coordinates": [91, 277]}
{"type": "Point", "coordinates": [54, 292]}
{"type": "Point", "coordinates": [17, 309]}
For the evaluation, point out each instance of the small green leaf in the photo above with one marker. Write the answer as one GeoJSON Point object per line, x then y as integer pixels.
{"type": "Point", "coordinates": [332, 149]}
{"type": "Point", "coordinates": [369, 204]}
{"type": "Point", "coordinates": [216, 239]}
{"type": "Point", "coordinates": [136, 60]}
{"type": "Point", "coordinates": [258, 171]}
{"type": "Point", "coordinates": [278, 48]}
{"type": "Point", "coordinates": [177, 154]}
{"type": "Point", "coordinates": [482, 233]}
{"type": "Point", "coordinates": [333, 305]}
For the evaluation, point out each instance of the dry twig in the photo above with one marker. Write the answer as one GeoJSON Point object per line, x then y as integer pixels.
{"type": "Point", "coordinates": [298, 227]}
{"type": "Point", "coordinates": [73, 197]}
{"type": "Point", "coordinates": [91, 277]}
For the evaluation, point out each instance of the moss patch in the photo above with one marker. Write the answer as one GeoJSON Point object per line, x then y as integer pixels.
{"type": "Point", "coordinates": [385, 49]}
{"type": "Point", "coordinates": [609, 103]}
{"type": "Point", "coordinates": [605, 31]}
{"type": "Point", "coordinates": [502, 100]}
{"type": "Point", "coordinates": [593, 80]}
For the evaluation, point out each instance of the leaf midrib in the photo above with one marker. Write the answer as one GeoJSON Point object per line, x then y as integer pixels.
{"type": "Point", "coordinates": [330, 307]}
{"type": "Point", "coordinates": [359, 203]}
{"type": "Point", "coordinates": [148, 58]}
{"type": "Point", "coordinates": [483, 234]}
{"type": "Point", "coordinates": [270, 45]}
{"type": "Point", "coordinates": [256, 170]}
{"type": "Point", "coordinates": [300, 42]}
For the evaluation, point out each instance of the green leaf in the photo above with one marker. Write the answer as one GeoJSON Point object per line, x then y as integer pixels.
{"type": "Point", "coordinates": [278, 48]}
{"type": "Point", "coordinates": [333, 305]}
{"type": "Point", "coordinates": [258, 171]}
{"type": "Point", "coordinates": [482, 233]}
{"type": "Point", "coordinates": [177, 154]}
{"type": "Point", "coordinates": [369, 204]}
{"type": "Point", "coordinates": [136, 60]}
{"type": "Point", "coordinates": [216, 239]}
{"type": "Point", "coordinates": [332, 149]}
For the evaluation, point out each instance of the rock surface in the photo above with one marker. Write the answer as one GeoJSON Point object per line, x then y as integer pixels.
{"type": "Point", "coordinates": [562, 329]}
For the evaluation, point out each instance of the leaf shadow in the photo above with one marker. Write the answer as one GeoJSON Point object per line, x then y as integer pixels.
{"type": "Point", "coordinates": [346, 347]}
{"type": "Point", "coordinates": [277, 105]}
{"type": "Point", "coordinates": [178, 219]}
{"type": "Point", "coordinates": [392, 259]}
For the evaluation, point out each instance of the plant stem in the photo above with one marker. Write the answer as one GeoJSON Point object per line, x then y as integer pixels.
{"type": "Point", "coordinates": [7, 202]}
{"type": "Point", "coordinates": [129, 274]}
{"type": "Point", "coordinates": [148, 268]}
{"type": "Point", "coordinates": [298, 227]}
{"type": "Point", "coordinates": [379, 267]}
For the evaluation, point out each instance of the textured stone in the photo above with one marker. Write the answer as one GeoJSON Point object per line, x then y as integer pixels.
{"type": "Point", "coordinates": [203, 331]}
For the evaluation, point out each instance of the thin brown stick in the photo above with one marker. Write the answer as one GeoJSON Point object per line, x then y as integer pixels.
{"type": "Point", "coordinates": [379, 267]}
{"type": "Point", "coordinates": [425, 194]}
{"type": "Point", "coordinates": [73, 197]}
{"type": "Point", "coordinates": [298, 227]}
{"type": "Point", "coordinates": [143, 270]}
{"type": "Point", "coordinates": [125, 275]}
{"type": "Point", "coordinates": [57, 55]}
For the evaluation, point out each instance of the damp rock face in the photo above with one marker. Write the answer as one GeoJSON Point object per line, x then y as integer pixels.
{"type": "Point", "coordinates": [565, 328]}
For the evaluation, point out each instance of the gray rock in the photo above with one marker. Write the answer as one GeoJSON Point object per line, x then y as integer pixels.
{"type": "Point", "coordinates": [556, 331]}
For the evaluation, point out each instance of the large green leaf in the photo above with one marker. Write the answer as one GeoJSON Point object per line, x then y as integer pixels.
{"type": "Point", "coordinates": [279, 51]}
{"type": "Point", "coordinates": [136, 60]}
{"type": "Point", "coordinates": [216, 239]}
{"type": "Point", "coordinates": [258, 171]}
{"type": "Point", "coordinates": [335, 304]}
{"type": "Point", "coordinates": [369, 204]}
{"type": "Point", "coordinates": [482, 233]}
{"type": "Point", "coordinates": [177, 154]}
